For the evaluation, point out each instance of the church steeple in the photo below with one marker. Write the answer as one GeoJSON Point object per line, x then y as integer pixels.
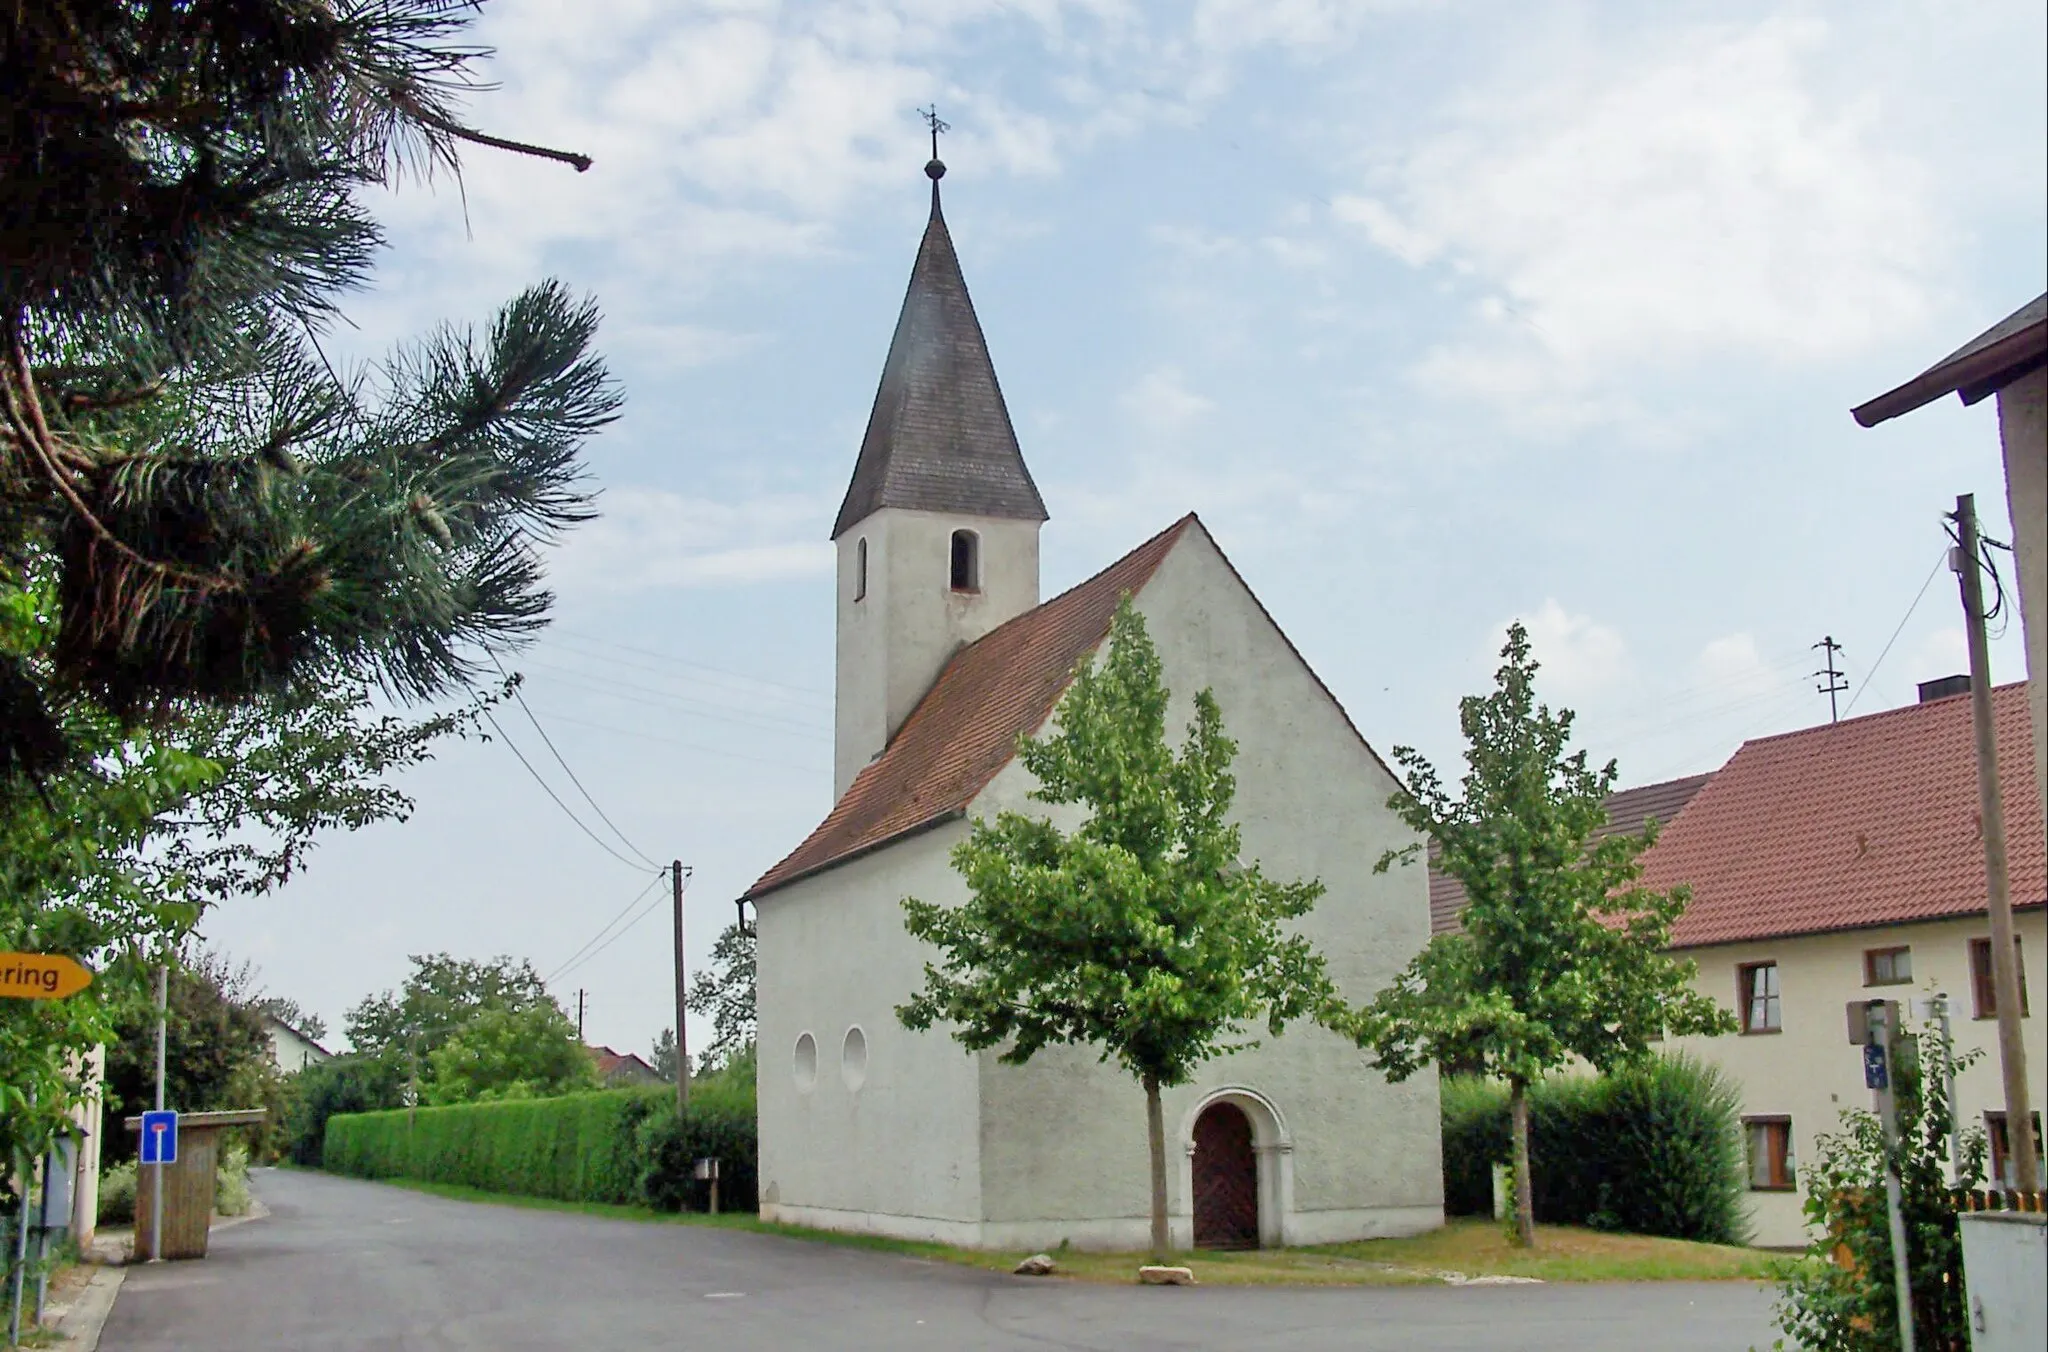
{"type": "Point", "coordinates": [938, 534]}
{"type": "Point", "coordinates": [939, 438]}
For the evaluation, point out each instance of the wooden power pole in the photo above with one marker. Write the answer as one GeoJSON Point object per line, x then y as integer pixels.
{"type": "Point", "coordinates": [2005, 974]}
{"type": "Point", "coordinates": [675, 874]}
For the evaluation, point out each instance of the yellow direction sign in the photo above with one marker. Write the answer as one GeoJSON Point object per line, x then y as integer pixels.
{"type": "Point", "coordinates": [40, 976]}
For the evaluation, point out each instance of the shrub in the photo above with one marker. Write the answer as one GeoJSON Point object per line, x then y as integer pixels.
{"type": "Point", "coordinates": [1654, 1150]}
{"type": "Point", "coordinates": [720, 1125]}
{"type": "Point", "coordinates": [577, 1148]}
{"type": "Point", "coordinates": [231, 1182]}
{"type": "Point", "coordinates": [117, 1194]}
{"type": "Point", "coordinates": [346, 1084]}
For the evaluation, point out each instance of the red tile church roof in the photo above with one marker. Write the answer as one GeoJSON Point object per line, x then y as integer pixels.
{"type": "Point", "coordinates": [998, 688]}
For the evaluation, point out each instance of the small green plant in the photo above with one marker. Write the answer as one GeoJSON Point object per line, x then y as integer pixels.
{"type": "Point", "coordinates": [117, 1194]}
{"type": "Point", "coordinates": [231, 1195]}
{"type": "Point", "coordinates": [1842, 1298]}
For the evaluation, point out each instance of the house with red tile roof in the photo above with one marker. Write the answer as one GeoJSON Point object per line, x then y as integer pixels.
{"type": "Point", "coordinates": [945, 657]}
{"type": "Point", "coordinates": [1845, 863]}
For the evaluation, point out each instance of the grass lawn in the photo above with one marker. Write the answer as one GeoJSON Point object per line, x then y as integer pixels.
{"type": "Point", "coordinates": [1473, 1248]}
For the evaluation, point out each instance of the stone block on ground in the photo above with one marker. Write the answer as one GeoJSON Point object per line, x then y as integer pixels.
{"type": "Point", "coordinates": [1166, 1276]}
{"type": "Point", "coordinates": [1037, 1265]}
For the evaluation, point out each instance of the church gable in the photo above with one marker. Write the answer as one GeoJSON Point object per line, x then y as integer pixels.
{"type": "Point", "coordinates": [966, 727]}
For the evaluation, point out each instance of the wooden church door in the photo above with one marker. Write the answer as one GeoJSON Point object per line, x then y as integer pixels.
{"type": "Point", "coordinates": [1226, 1180]}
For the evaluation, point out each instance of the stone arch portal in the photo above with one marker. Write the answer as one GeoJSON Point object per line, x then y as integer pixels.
{"type": "Point", "coordinates": [1238, 1177]}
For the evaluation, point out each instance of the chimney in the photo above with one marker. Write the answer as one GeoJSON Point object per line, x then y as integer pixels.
{"type": "Point", "coordinates": [1943, 688]}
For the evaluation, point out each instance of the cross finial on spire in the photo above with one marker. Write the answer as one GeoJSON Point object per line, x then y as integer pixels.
{"type": "Point", "coordinates": [935, 170]}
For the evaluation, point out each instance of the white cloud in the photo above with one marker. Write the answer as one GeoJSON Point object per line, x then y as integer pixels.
{"type": "Point", "coordinates": [1162, 403]}
{"type": "Point", "coordinates": [1658, 198]}
{"type": "Point", "coordinates": [1731, 666]}
{"type": "Point", "coordinates": [1942, 652]}
{"type": "Point", "coordinates": [1579, 655]}
{"type": "Point", "coordinates": [650, 540]}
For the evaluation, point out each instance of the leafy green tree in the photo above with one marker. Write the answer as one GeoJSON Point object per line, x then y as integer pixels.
{"type": "Point", "coordinates": [724, 992]}
{"type": "Point", "coordinates": [1825, 1305]}
{"type": "Point", "coordinates": [664, 1058]}
{"type": "Point", "coordinates": [347, 1084]}
{"type": "Point", "coordinates": [1141, 932]}
{"type": "Point", "coordinates": [441, 995]}
{"type": "Point", "coordinates": [220, 511]}
{"type": "Point", "coordinates": [1562, 954]}
{"type": "Point", "coordinates": [293, 1015]}
{"type": "Point", "coordinates": [503, 1052]}
{"type": "Point", "coordinates": [217, 1055]}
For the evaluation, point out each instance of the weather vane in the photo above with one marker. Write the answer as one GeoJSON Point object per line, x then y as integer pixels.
{"type": "Point", "coordinates": [937, 168]}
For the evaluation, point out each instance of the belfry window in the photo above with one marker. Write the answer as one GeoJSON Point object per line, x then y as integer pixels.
{"type": "Point", "coordinates": [860, 569]}
{"type": "Point", "coordinates": [966, 561]}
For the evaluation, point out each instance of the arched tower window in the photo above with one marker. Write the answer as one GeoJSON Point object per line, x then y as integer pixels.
{"type": "Point", "coordinates": [966, 561]}
{"type": "Point", "coordinates": [860, 569]}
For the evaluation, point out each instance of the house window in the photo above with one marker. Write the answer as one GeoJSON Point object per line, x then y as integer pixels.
{"type": "Point", "coordinates": [966, 561]}
{"type": "Point", "coordinates": [2001, 1149]}
{"type": "Point", "coordinates": [1758, 983]}
{"type": "Point", "coordinates": [860, 569]}
{"type": "Point", "coordinates": [1887, 966]}
{"type": "Point", "coordinates": [1771, 1166]}
{"type": "Point", "coordinates": [1981, 985]}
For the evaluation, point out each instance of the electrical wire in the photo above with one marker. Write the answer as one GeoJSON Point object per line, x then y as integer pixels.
{"type": "Point", "coordinates": [570, 961]}
{"type": "Point", "coordinates": [650, 908]}
{"type": "Point", "coordinates": [1903, 621]}
{"type": "Point", "coordinates": [601, 814]}
{"type": "Point", "coordinates": [596, 839]}
{"type": "Point", "coordinates": [642, 735]}
{"type": "Point", "coordinates": [671, 660]}
{"type": "Point", "coordinates": [612, 688]}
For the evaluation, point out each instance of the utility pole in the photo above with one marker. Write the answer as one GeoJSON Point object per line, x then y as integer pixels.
{"type": "Point", "coordinates": [579, 1013]}
{"type": "Point", "coordinates": [1835, 685]}
{"type": "Point", "coordinates": [675, 874]}
{"type": "Point", "coordinates": [2005, 976]}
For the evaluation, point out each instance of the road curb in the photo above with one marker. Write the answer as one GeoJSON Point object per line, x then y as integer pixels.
{"type": "Point", "coordinates": [82, 1323]}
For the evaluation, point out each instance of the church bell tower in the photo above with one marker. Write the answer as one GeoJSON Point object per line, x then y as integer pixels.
{"type": "Point", "coordinates": [938, 534]}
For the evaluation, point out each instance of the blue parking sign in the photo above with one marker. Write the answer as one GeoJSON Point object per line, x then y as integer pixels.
{"type": "Point", "coordinates": [160, 1138]}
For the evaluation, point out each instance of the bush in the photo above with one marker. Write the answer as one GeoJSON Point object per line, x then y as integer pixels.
{"type": "Point", "coordinates": [117, 1194]}
{"type": "Point", "coordinates": [577, 1148]}
{"type": "Point", "coordinates": [720, 1125]}
{"type": "Point", "coordinates": [231, 1182]}
{"type": "Point", "coordinates": [1653, 1150]}
{"type": "Point", "coordinates": [346, 1084]}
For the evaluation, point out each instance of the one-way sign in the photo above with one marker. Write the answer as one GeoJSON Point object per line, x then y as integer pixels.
{"type": "Point", "coordinates": [160, 1137]}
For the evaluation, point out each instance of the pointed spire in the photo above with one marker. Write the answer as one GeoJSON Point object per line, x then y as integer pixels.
{"type": "Point", "coordinates": [939, 438]}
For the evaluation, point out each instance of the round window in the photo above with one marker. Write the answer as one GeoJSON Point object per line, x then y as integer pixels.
{"type": "Point", "coordinates": [804, 1065]}
{"type": "Point", "coordinates": [853, 1058]}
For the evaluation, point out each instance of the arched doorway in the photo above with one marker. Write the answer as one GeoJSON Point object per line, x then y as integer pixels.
{"type": "Point", "coordinates": [1226, 1178]}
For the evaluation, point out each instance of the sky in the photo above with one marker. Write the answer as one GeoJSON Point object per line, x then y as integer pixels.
{"type": "Point", "coordinates": [1440, 315]}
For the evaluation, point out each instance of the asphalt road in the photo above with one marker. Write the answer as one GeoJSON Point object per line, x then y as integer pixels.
{"type": "Point", "coordinates": [346, 1265]}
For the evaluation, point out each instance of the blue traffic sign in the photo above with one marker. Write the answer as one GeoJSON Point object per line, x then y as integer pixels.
{"type": "Point", "coordinates": [1874, 1073]}
{"type": "Point", "coordinates": [160, 1138]}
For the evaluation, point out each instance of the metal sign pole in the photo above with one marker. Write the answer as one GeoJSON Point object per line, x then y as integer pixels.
{"type": "Point", "coordinates": [20, 1245]}
{"type": "Point", "coordinates": [1879, 1070]}
{"type": "Point", "coordinates": [156, 1199]}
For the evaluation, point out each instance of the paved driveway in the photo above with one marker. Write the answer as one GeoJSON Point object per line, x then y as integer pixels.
{"type": "Point", "coordinates": [340, 1264]}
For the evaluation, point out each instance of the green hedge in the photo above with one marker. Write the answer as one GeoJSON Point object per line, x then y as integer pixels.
{"type": "Point", "coordinates": [1655, 1150]}
{"type": "Point", "coordinates": [619, 1146]}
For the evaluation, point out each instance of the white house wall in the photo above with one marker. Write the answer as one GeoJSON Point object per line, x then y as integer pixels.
{"type": "Point", "coordinates": [1809, 1072]}
{"type": "Point", "coordinates": [1063, 1139]}
{"type": "Point", "coordinates": [898, 1154]}
{"type": "Point", "coordinates": [2023, 431]}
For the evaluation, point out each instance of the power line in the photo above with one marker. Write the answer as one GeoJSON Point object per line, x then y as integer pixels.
{"type": "Point", "coordinates": [646, 911]}
{"type": "Point", "coordinates": [1903, 621]}
{"type": "Point", "coordinates": [672, 660]}
{"type": "Point", "coordinates": [601, 815]}
{"type": "Point", "coordinates": [641, 735]}
{"type": "Point", "coordinates": [595, 838]}
{"type": "Point", "coordinates": [571, 959]}
{"type": "Point", "coordinates": [597, 684]}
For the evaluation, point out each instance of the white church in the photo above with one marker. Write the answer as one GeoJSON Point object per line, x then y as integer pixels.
{"type": "Point", "coordinates": [945, 655]}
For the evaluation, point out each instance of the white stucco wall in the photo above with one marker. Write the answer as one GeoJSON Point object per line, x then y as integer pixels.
{"type": "Point", "coordinates": [898, 1155]}
{"type": "Point", "coordinates": [1810, 1072]}
{"type": "Point", "coordinates": [893, 641]}
{"type": "Point", "coordinates": [2023, 430]}
{"type": "Point", "coordinates": [290, 1050]}
{"type": "Point", "coordinates": [1348, 1156]}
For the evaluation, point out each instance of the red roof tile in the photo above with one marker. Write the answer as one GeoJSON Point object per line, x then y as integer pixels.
{"type": "Point", "coordinates": [1870, 821]}
{"type": "Point", "coordinates": [998, 688]}
{"type": "Point", "coordinates": [1627, 810]}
